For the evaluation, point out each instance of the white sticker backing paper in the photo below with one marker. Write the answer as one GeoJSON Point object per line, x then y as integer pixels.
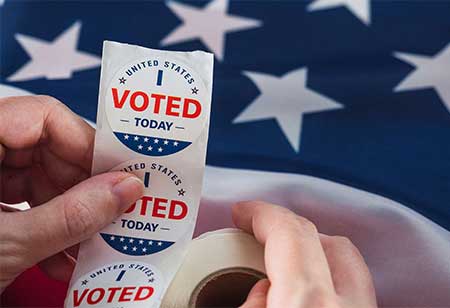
{"type": "Point", "coordinates": [153, 119]}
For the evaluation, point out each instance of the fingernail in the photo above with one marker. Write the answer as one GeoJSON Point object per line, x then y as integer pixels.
{"type": "Point", "coordinates": [128, 190]}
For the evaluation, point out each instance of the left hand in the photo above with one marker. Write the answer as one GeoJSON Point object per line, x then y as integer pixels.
{"type": "Point", "coordinates": [45, 159]}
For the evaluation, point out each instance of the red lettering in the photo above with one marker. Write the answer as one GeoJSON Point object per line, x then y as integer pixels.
{"type": "Point", "coordinates": [171, 105]}
{"type": "Point", "coordinates": [96, 295]}
{"type": "Point", "coordinates": [157, 98]}
{"type": "Point", "coordinates": [172, 210]}
{"type": "Point", "coordinates": [145, 200]}
{"type": "Point", "coordinates": [127, 291]}
{"type": "Point", "coordinates": [119, 103]}
{"type": "Point", "coordinates": [157, 207]}
{"type": "Point", "coordinates": [161, 208]}
{"type": "Point", "coordinates": [112, 292]}
{"type": "Point", "coordinates": [91, 300]}
{"type": "Point", "coordinates": [140, 297]}
{"type": "Point", "coordinates": [195, 104]}
{"type": "Point", "coordinates": [133, 103]}
{"type": "Point", "coordinates": [140, 101]}
{"type": "Point", "coordinates": [78, 300]}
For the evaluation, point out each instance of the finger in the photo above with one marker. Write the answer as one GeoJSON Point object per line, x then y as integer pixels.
{"type": "Point", "coordinates": [27, 184]}
{"type": "Point", "coordinates": [59, 266]}
{"type": "Point", "coordinates": [351, 276]}
{"type": "Point", "coordinates": [73, 216]}
{"type": "Point", "coordinates": [34, 184]}
{"type": "Point", "coordinates": [295, 261]}
{"type": "Point", "coordinates": [41, 188]}
{"type": "Point", "coordinates": [19, 158]}
{"type": "Point", "coordinates": [61, 173]}
{"type": "Point", "coordinates": [257, 297]}
{"type": "Point", "coordinates": [15, 185]}
{"type": "Point", "coordinates": [43, 119]}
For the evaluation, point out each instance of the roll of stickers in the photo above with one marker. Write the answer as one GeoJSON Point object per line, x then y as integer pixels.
{"type": "Point", "coordinates": [219, 270]}
{"type": "Point", "coordinates": [152, 120]}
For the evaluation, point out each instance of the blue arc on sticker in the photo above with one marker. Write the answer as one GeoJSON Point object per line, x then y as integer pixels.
{"type": "Point", "coordinates": [134, 246]}
{"type": "Point", "coordinates": [151, 146]}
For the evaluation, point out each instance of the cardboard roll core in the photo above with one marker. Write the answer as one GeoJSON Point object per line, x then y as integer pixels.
{"type": "Point", "coordinates": [219, 270]}
{"type": "Point", "coordinates": [226, 288]}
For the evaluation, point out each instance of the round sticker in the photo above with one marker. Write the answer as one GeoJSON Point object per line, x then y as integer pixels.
{"type": "Point", "coordinates": [121, 284]}
{"type": "Point", "coordinates": [157, 107]}
{"type": "Point", "coordinates": [156, 221]}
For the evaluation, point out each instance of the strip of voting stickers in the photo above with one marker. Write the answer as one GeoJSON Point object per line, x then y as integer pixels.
{"type": "Point", "coordinates": [153, 119]}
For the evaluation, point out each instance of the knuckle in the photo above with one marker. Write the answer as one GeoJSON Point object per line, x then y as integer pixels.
{"type": "Point", "coordinates": [13, 263]}
{"type": "Point", "coordinates": [50, 104]}
{"type": "Point", "coordinates": [306, 225]}
{"type": "Point", "coordinates": [358, 273]}
{"type": "Point", "coordinates": [13, 252]}
{"type": "Point", "coordinates": [11, 249]}
{"type": "Point", "coordinates": [79, 218]}
{"type": "Point", "coordinates": [344, 243]}
{"type": "Point", "coordinates": [47, 99]}
{"type": "Point", "coordinates": [342, 240]}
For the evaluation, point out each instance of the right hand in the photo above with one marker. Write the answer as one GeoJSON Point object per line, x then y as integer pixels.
{"type": "Point", "coordinates": [305, 269]}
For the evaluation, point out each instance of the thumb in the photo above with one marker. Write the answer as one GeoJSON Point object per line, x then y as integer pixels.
{"type": "Point", "coordinates": [75, 215]}
{"type": "Point", "coordinates": [257, 297]}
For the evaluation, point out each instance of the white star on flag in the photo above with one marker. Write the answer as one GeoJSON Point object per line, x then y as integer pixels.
{"type": "Point", "coordinates": [430, 72]}
{"type": "Point", "coordinates": [285, 99]}
{"type": "Point", "coordinates": [209, 24]}
{"type": "Point", "coordinates": [360, 8]}
{"type": "Point", "coordinates": [54, 60]}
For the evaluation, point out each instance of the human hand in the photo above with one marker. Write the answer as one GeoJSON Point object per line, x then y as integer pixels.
{"type": "Point", "coordinates": [45, 159]}
{"type": "Point", "coordinates": [305, 269]}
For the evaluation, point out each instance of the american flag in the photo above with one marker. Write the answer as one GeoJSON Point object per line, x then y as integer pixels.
{"type": "Point", "coordinates": [337, 109]}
